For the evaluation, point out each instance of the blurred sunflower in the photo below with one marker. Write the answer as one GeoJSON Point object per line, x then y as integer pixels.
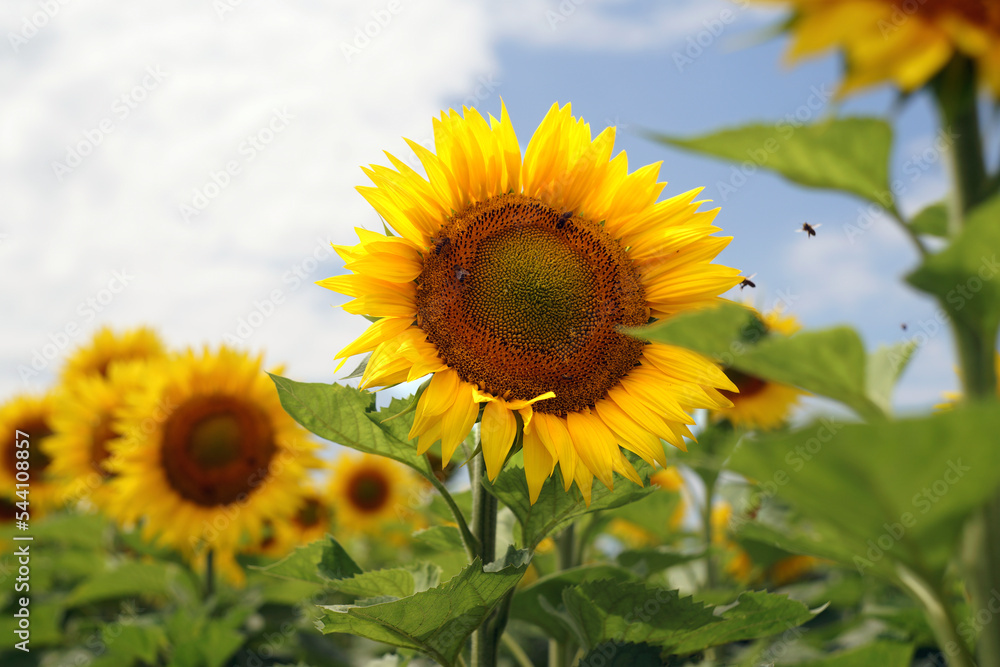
{"type": "Point", "coordinates": [84, 424]}
{"type": "Point", "coordinates": [905, 43]}
{"type": "Point", "coordinates": [736, 560]}
{"type": "Point", "coordinates": [670, 479]}
{"type": "Point", "coordinates": [760, 403]}
{"type": "Point", "coordinates": [509, 281]}
{"type": "Point", "coordinates": [31, 415]}
{"type": "Point", "coordinates": [107, 347]}
{"type": "Point", "coordinates": [207, 455]}
{"type": "Point", "coordinates": [310, 522]}
{"type": "Point", "coordinates": [367, 492]}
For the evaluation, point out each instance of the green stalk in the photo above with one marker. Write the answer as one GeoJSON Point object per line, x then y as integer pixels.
{"type": "Point", "coordinates": [711, 569]}
{"type": "Point", "coordinates": [471, 542]}
{"type": "Point", "coordinates": [955, 91]}
{"type": "Point", "coordinates": [559, 653]}
{"type": "Point", "coordinates": [485, 640]}
{"type": "Point", "coordinates": [940, 617]}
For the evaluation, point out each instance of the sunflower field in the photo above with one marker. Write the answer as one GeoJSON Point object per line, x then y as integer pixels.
{"type": "Point", "coordinates": [567, 435]}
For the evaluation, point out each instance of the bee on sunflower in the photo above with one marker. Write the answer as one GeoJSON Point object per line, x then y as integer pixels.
{"type": "Point", "coordinates": [509, 281]}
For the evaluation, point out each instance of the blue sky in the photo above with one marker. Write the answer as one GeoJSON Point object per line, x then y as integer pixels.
{"type": "Point", "coordinates": [225, 140]}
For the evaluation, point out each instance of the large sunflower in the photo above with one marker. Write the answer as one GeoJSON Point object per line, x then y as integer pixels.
{"type": "Point", "coordinates": [84, 424]}
{"type": "Point", "coordinates": [761, 403]}
{"type": "Point", "coordinates": [31, 415]}
{"type": "Point", "coordinates": [903, 42]}
{"type": "Point", "coordinates": [509, 281]}
{"type": "Point", "coordinates": [107, 348]}
{"type": "Point", "coordinates": [367, 492]}
{"type": "Point", "coordinates": [207, 455]}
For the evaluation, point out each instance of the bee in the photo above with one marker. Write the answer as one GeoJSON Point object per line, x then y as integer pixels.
{"type": "Point", "coordinates": [441, 244]}
{"type": "Point", "coordinates": [563, 219]}
{"type": "Point", "coordinates": [748, 282]}
{"type": "Point", "coordinates": [460, 273]}
{"type": "Point", "coordinates": [903, 326]}
{"type": "Point", "coordinates": [809, 229]}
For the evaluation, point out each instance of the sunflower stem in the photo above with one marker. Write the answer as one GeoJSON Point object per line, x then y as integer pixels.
{"type": "Point", "coordinates": [486, 640]}
{"type": "Point", "coordinates": [471, 542]}
{"type": "Point", "coordinates": [711, 572]}
{"type": "Point", "coordinates": [566, 555]}
{"type": "Point", "coordinates": [210, 573]}
{"type": "Point", "coordinates": [941, 618]}
{"type": "Point", "coordinates": [955, 92]}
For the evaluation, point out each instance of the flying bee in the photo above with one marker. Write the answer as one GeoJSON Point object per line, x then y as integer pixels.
{"type": "Point", "coordinates": [748, 282]}
{"type": "Point", "coordinates": [563, 219]}
{"type": "Point", "coordinates": [809, 229]}
{"type": "Point", "coordinates": [441, 244]}
{"type": "Point", "coordinates": [903, 326]}
{"type": "Point", "coordinates": [460, 273]}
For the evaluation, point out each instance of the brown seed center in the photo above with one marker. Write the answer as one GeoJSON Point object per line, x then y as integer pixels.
{"type": "Point", "coordinates": [217, 449]}
{"type": "Point", "coordinates": [522, 300]}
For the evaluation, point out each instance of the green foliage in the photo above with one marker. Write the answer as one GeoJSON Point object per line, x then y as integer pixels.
{"type": "Point", "coordinates": [614, 654]}
{"type": "Point", "coordinates": [436, 621]}
{"type": "Point", "coordinates": [131, 644]}
{"type": "Point", "coordinates": [132, 580]}
{"type": "Point", "coordinates": [831, 362]}
{"type": "Point", "coordinates": [913, 483]}
{"type": "Point", "coordinates": [598, 612]}
{"type": "Point", "coordinates": [555, 508]}
{"type": "Point", "coordinates": [885, 365]}
{"type": "Point", "coordinates": [535, 603]}
{"type": "Point", "coordinates": [883, 654]}
{"type": "Point", "coordinates": [964, 277]}
{"type": "Point", "coordinates": [346, 416]}
{"type": "Point", "coordinates": [320, 562]}
{"type": "Point", "coordinates": [849, 154]}
{"type": "Point", "coordinates": [932, 221]}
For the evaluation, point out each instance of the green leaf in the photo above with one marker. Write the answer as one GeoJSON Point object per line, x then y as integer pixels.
{"type": "Point", "coordinates": [829, 362]}
{"type": "Point", "coordinates": [440, 538]}
{"type": "Point", "coordinates": [46, 623]}
{"type": "Point", "coordinates": [128, 644]}
{"type": "Point", "coordinates": [616, 654]}
{"type": "Point", "coordinates": [436, 621]}
{"type": "Point", "coordinates": [132, 579]}
{"type": "Point", "coordinates": [849, 154]}
{"type": "Point", "coordinates": [885, 365]}
{"type": "Point", "coordinates": [883, 654]}
{"type": "Point", "coordinates": [631, 612]}
{"type": "Point", "coordinates": [319, 562]}
{"type": "Point", "coordinates": [395, 583]}
{"type": "Point", "coordinates": [651, 513]}
{"type": "Point", "coordinates": [534, 603]}
{"type": "Point", "coordinates": [556, 507]}
{"type": "Point", "coordinates": [891, 492]}
{"type": "Point", "coordinates": [932, 221]}
{"type": "Point", "coordinates": [359, 370]}
{"type": "Point", "coordinates": [344, 415]}
{"type": "Point", "coordinates": [645, 562]}
{"type": "Point", "coordinates": [963, 276]}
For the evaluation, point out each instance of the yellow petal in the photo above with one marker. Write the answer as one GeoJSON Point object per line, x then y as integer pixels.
{"type": "Point", "coordinates": [552, 431]}
{"type": "Point", "coordinates": [439, 395]}
{"type": "Point", "coordinates": [594, 444]}
{"type": "Point", "coordinates": [458, 421]}
{"type": "Point", "coordinates": [538, 464]}
{"type": "Point", "coordinates": [497, 431]}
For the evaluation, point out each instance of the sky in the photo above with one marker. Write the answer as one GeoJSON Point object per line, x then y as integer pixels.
{"type": "Point", "coordinates": [186, 165]}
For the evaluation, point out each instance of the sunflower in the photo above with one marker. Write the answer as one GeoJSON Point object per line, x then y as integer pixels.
{"type": "Point", "coordinates": [905, 43]}
{"type": "Point", "coordinates": [32, 416]}
{"type": "Point", "coordinates": [310, 522]}
{"type": "Point", "coordinates": [107, 348]}
{"type": "Point", "coordinates": [368, 492]}
{"type": "Point", "coordinates": [509, 280]}
{"type": "Point", "coordinates": [737, 561]}
{"type": "Point", "coordinates": [84, 424]}
{"type": "Point", "coordinates": [760, 403]}
{"type": "Point", "coordinates": [207, 455]}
